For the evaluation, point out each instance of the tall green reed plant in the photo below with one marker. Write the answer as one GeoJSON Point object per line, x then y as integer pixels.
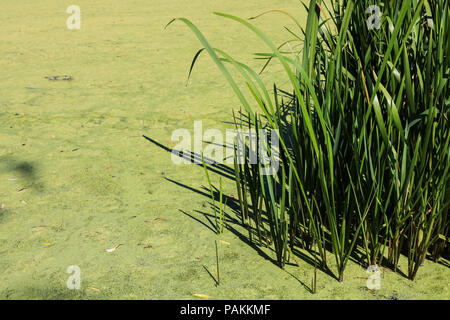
{"type": "Point", "coordinates": [363, 129]}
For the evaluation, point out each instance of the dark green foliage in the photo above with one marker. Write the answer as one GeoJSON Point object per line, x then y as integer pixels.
{"type": "Point", "coordinates": [363, 130]}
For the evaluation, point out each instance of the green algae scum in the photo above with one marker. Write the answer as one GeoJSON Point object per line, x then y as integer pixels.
{"type": "Point", "coordinates": [96, 96]}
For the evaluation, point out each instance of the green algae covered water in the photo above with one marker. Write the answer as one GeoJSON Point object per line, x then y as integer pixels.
{"type": "Point", "coordinates": [80, 186]}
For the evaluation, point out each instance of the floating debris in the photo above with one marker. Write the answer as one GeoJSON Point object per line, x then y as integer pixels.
{"type": "Point", "coordinates": [52, 78]}
{"type": "Point", "coordinates": [64, 78]}
{"type": "Point", "coordinates": [156, 219]}
{"type": "Point", "coordinates": [39, 226]}
{"type": "Point", "coordinates": [113, 249]}
{"type": "Point", "coordinates": [200, 295]}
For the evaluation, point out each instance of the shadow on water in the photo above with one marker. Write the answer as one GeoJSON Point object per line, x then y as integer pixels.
{"type": "Point", "coordinates": [196, 158]}
{"type": "Point", "coordinates": [211, 275]}
{"type": "Point", "coordinates": [232, 203]}
{"type": "Point", "coordinates": [199, 221]}
{"type": "Point", "coordinates": [26, 170]}
{"type": "Point", "coordinates": [309, 289]}
{"type": "Point", "coordinates": [229, 220]}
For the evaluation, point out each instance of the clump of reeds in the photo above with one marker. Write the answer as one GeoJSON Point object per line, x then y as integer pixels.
{"type": "Point", "coordinates": [363, 130]}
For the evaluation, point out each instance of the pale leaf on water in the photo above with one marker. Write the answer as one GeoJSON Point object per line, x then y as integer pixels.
{"type": "Point", "coordinates": [113, 249]}
{"type": "Point", "coordinates": [199, 295]}
{"type": "Point", "coordinates": [156, 219]}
